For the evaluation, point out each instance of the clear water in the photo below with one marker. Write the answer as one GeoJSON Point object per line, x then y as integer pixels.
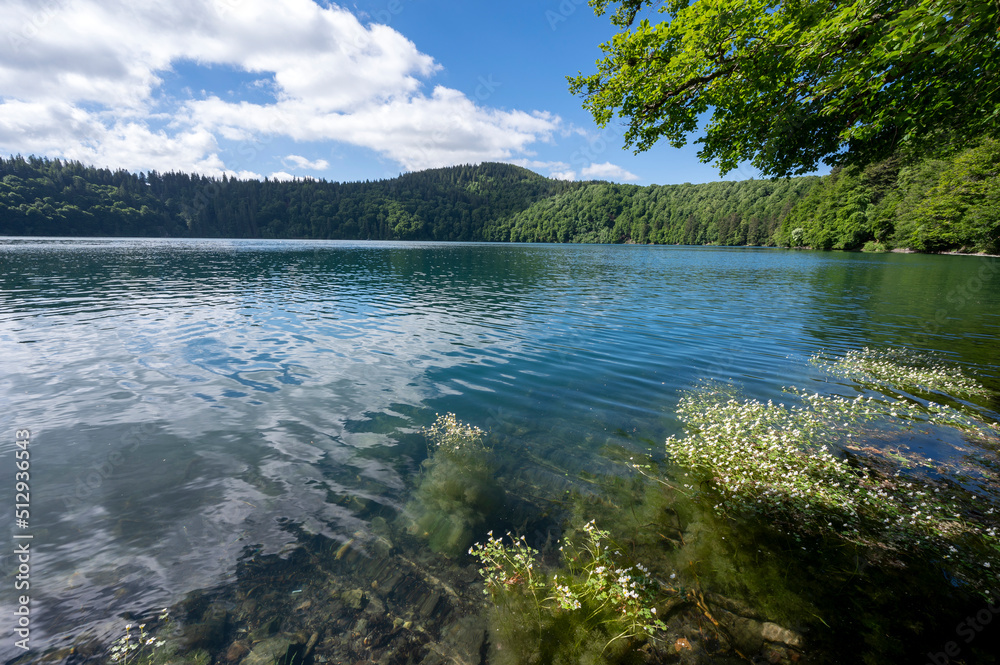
{"type": "Point", "coordinates": [190, 401]}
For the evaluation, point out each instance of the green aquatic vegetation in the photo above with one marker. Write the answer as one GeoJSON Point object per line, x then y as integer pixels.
{"type": "Point", "coordinates": [457, 491]}
{"type": "Point", "coordinates": [788, 465]}
{"type": "Point", "coordinates": [597, 607]}
{"type": "Point", "coordinates": [898, 369]}
{"type": "Point", "coordinates": [689, 546]}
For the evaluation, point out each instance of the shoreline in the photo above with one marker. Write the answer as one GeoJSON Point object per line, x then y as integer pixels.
{"type": "Point", "coordinates": [904, 250]}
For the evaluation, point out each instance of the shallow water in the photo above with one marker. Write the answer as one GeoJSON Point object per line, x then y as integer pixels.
{"type": "Point", "coordinates": [189, 400]}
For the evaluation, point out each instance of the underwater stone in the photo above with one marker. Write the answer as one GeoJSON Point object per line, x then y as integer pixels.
{"type": "Point", "coordinates": [236, 651]}
{"type": "Point", "coordinates": [310, 644]}
{"type": "Point", "coordinates": [209, 633]}
{"type": "Point", "coordinates": [772, 632]}
{"type": "Point", "coordinates": [746, 634]}
{"type": "Point", "coordinates": [426, 607]}
{"type": "Point", "coordinates": [268, 652]}
{"type": "Point", "coordinates": [375, 606]}
{"type": "Point", "coordinates": [355, 598]}
{"type": "Point", "coordinates": [461, 643]}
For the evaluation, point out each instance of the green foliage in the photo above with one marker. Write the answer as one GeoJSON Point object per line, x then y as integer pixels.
{"type": "Point", "coordinates": [931, 205]}
{"type": "Point", "coordinates": [791, 83]}
{"type": "Point", "coordinates": [719, 213]}
{"type": "Point", "coordinates": [928, 205]}
{"type": "Point", "coordinates": [783, 464]}
{"type": "Point", "coordinates": [962, 209]}
{"type": "Point", "coordinates": [457, 491]}
{"type": "Point", "coordinates": [596, 608]}
{"type": "Point", "coordinates": [43, 197]}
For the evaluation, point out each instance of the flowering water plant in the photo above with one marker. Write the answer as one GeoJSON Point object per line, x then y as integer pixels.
{"type": "Point", "coordinates": [458, 490]}
{"type": "Point", "coordinates": [137, 646]}
{"type": "Point", "coordinates": [793, 466]}
{"type": "Point", "coordinates": [596, 588]}
{"type": "Point", "coordinates": [448, 436]}
{"type": "Point", "coordinates": [898, 369]}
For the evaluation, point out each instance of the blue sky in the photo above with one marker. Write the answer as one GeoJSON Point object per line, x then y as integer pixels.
{"type": "Point", "coordinates": [295, 88]}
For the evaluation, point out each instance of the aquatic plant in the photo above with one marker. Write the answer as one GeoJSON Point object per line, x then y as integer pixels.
{"type": "Point", "coordinates": [595, 601]}
{"type": "Point", "coordinates": [135, 647]}
{"type": "Point", "coordinates": [793, 466]}
{"type": "Point", "coordinates": [898, 369]}
{"type": "Point", "coordinates": [457, 491]}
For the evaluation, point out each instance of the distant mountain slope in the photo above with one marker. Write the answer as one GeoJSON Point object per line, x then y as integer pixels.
{"type": "Point", "coordinates": [717, 213]}
{"type": "Point", "coordinates": [932, 205]}
{"type": "Point", "coordinates": [54, 197]}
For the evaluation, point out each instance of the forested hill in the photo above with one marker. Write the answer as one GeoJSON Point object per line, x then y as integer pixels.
{"type": "Point", "coordinates": [927, 205]}
{"type": "Point", "coordinates": [485, 202]}
{"type": "Point", "coordinates": [748, 212]}
{"type": "Point", "coordinates": [55, 197]}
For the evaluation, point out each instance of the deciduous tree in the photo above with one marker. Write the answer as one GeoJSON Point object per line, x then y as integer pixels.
{"type": "Point", "coordinates": [792, 83]}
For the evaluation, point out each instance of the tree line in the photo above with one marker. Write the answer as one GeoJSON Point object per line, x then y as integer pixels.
{"type": "Point", "coordinates": [929, 204]}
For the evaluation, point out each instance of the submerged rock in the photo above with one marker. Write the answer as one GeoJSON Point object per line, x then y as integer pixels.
{"type": "Point", "coordinates": [268, 652]}
{"type": "Point", "coordinates": [461, 643]}
{"type": "Point", "coordinates": [355, 598]}
{"type": "Point", "coordinates": [772, 632]}
{"type": "Point", "coordinates": [281, 650]}
{"type": "Point", "coordinates": [236, 651]}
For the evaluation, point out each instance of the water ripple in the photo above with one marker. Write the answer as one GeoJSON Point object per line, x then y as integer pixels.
{"type": "Point", "coordinates": [192, 397]}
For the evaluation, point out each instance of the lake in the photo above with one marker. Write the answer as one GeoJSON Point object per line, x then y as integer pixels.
{"type": "Point", "coordinates": [199, 407]}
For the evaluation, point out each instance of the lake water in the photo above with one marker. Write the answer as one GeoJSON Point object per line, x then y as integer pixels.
{"type": "Point", "coordinates": [196, 404]}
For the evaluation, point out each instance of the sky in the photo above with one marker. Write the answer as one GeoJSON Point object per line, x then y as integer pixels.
{"type": "Point", "coordinates": [362, 90]}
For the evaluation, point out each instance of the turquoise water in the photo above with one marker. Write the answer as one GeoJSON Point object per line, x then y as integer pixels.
{"type": "Point", "coordinates": [193, 401]}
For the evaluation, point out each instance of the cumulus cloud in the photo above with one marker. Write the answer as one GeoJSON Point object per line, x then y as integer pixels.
{"type": "Point", "coordinates": [86, 80]}
{"type": "Point", "coordinates": [563, 171]}
{"type": "Point", "coordinates": [607, 171]}
{"type": "Point", "coordinates": [303, 163]}
{"type": "Point", "coordinates": [554, 169]}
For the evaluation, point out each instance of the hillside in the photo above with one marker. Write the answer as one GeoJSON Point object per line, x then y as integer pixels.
{"type": "Point", "coordinates": [54, 197]}
{"type": "Point", "coordinates": [947, 203]}
{"type": "Point", "coordinates": [716, 213]}
{"type": "Point", "coordinates": [950, 202]}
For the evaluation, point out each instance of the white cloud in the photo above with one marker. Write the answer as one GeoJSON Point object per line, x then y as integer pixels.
{"type": "Point", "coordinates": [417, 131]}
{"type": "Point", "coordinates": [303, 163]}
{"type": "Point", "coordinates": [607, 171]}
{"type": "Point", "coordinates": [65, 130]}
{"type": "Point", "coordinates": [563, 171]}
{"type": "Point", "coordinates": [85, 79]}
{"type": "Point", "coordinates": [281, 175]}
{"type": "Point", "coordinates": [556, 170]}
